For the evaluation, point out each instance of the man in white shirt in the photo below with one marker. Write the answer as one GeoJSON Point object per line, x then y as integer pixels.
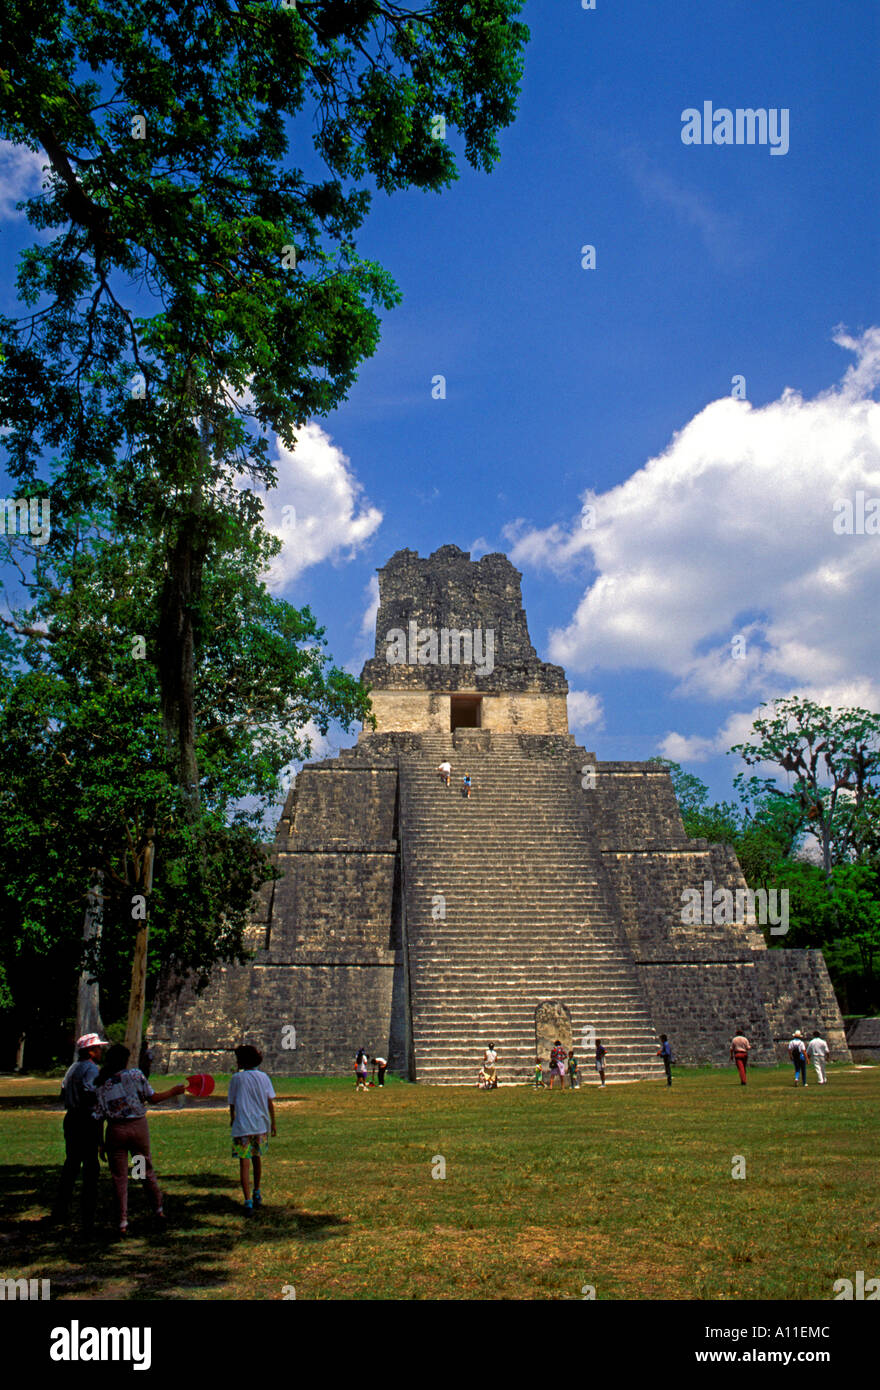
{"type": "Point", "coordinates": [445, 771]}
{"type": "Point", "coordinates": [818, 1050]}
{"type": "Point", "coordinates": [490, 1057]}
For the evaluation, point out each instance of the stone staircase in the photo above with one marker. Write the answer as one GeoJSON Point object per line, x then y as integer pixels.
{"type": "Point", "coordinates": [529, 912]}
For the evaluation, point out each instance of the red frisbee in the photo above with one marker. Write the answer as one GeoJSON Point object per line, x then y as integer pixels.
{"type": "Point", "coordinates": [200, 1086]}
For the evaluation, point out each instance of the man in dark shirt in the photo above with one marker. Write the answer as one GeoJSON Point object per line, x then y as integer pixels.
{"type": "Point", "coordinates": [81, 1131]}
{"type": "Point", "coordinates": [665, 1051]}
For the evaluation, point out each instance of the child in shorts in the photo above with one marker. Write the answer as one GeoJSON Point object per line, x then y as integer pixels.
{"type": "Point", "coordinates": [539, 1073]}
{"type": "Point", "coordinates": [252, 1117]}
{"type": "Point", "coordinates": [573, 1081]}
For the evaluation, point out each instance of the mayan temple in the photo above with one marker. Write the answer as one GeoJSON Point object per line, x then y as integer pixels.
{"type": "Point", "coordinates": [422, 925]}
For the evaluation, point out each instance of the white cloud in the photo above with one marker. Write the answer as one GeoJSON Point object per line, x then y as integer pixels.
{"type": "Point", "coordinates": [21, 176]}
{"type": "Point", "coordinates": [368, 621]}
{"type": "Point", "coordinates": [729, 533]}
{"type": "Point", "coordinates": [364, 645]}
{"type": "Point", "coordinates": [317, 509]}
{"type": "Point", "coordinates": [585, 710]}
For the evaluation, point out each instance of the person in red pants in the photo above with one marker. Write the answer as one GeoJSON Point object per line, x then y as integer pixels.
{"type": "Point", "coordinates": [739, 1051]}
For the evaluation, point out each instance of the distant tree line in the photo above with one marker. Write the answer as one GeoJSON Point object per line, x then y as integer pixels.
{"type": "Point", "coordinates": [813, 829]}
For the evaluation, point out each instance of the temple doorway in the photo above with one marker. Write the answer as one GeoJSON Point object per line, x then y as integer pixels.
{"type": "Point", "coordinates": [465, 712]}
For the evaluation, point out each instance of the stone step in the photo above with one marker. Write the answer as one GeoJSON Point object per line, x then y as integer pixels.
{"type": "Point", "coordinates": [550, 932]}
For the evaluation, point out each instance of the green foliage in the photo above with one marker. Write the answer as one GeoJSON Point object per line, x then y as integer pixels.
{"type": "Point", "coordinates": [195, 285]}
{"type": "Point", "coordinates": [87, 778]}
{"type": "Point", "coordinates": [833, 761]}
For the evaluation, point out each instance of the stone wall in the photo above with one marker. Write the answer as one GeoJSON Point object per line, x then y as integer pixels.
{"type": "Point", "coordinates": [448, 591]}
{"type": "Point", "coordinates": [798, 993]}
{"type": "Point", "coordinates": [423, 711]}
{"type": "Point", "coordinates": [327, 974]}
{"type": "Point", "coordinates": [863, 1040]}
{"type": "Point", "coordinates": [703, 981]}
{"type": "Point", "coordinates": [329, 969]}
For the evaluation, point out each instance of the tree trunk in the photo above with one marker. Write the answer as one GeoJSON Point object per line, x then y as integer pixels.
{"type": "Point", "coordinates": [180, 594]}
{"type": "Point", "coordinates": [88, 1005]}
{"type": "Point", "coordinates": [179, 600]}
{"type": "Point", "coordinates": [135, 1025]}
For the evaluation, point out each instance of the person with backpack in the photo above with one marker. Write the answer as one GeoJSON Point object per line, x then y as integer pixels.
{"type": "Point", "coordinates": [798, 1054]}
{"type": "Point", "coordinates": [665, 1051]}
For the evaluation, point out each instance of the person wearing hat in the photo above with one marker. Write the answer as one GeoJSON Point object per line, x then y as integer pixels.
{"type": "Point", "coordinates": [798, 1054]}
{"type": "Point", "coordinates": [81, 1131]}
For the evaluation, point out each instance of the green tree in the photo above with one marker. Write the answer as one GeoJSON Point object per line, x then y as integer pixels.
{"type": "Point", "coordinates": [834, 763]}
{"type": "Point", "coordinates": [196, 285]}
{"type": "Point", "coordinates": [88, 783]}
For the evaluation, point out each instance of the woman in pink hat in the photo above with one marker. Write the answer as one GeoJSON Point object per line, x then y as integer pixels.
{"type": "Point", "coordinates": [123, 1094]}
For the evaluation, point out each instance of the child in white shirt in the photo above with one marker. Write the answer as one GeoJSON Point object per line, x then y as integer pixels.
{"type": "Point", "coordinates": [252, 1117]}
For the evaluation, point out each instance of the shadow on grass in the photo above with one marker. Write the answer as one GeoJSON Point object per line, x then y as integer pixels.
{"type": "Point", "coordinates": [207, 1230]}
{"type": "Point", "coordinates": [32, 1102]}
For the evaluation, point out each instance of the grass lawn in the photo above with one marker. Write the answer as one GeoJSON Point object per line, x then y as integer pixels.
{"type": "Point", "coordinates": [629, 1190]}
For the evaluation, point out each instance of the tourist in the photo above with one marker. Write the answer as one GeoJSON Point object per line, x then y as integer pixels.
{"type": "Point", "coordinates": [557, 1065]}
{"type": "Point", "coordinates": [445, 771]}
{"type": "Point", "coordinates": [539, 1074]}
{"type": "Point", "coordinates": [490, 1057]}
{"type": "Point", "coordinates": [798, 1054]}
{"type": "Point", "coordinates": [379, 1063]}
{"type": "Point", "coordinates": [252, 1117]}
{"type": "Point", "coordinates": [466, 786]}
{"type": "Point", "coordinates": [665, 1051]}
{"type": "Point", "coordinates": [740, 1048]}
{"type": "Point", "coordinates": [81, 1132]}
{"type": "Point", "coordinates": [818, 1049]}
{"type": "Point", "coordinates": [360, 1070]}
{"type": "Point", "coordinates": [601, 1052]}
{"type": "Point", "coordinates": [573, 1082]}
{"type": "Point", "coordinates": [123, 1094]}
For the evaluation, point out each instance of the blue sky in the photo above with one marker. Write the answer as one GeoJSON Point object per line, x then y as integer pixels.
{"type": "Point", "coordinates": [713, 515]}
{"type": "Point", "coordinates": [710, 262]}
